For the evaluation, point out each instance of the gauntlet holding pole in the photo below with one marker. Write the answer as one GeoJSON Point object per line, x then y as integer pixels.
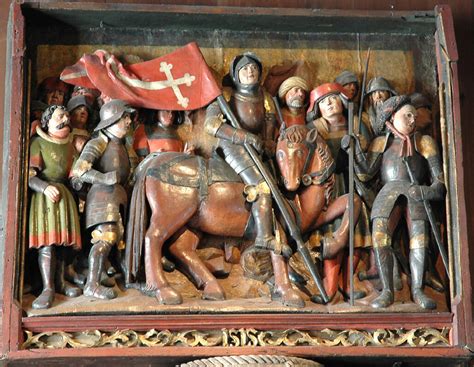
{"type": "Point", "coordinates": [431, 218]}
{"type": "Point", "coordinates": [293, 228]}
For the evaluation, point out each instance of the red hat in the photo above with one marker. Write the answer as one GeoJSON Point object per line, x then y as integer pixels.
{"type": "Point", "coordinates": [317, 94]}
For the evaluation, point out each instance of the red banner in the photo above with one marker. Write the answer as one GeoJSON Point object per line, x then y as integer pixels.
{"type": "Point", "coordinates": [180, 80]}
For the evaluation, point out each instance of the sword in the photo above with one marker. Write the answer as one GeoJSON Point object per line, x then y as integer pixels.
{"type": "Point", "coordinates": [431, 218]}
{"type": "Point", "coordinates": [362, 92]}
{"type": "Point", "coordinates": [280, 201]}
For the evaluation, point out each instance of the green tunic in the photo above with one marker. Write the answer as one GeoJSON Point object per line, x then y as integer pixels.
{"type": "Point", "coordinates": [53, 223]}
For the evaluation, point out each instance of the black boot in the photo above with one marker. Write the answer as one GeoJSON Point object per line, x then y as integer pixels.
{"type": "Point", "coordinates": [417, 267]}
{"type": "Point", "coordinates": [97, 256]}
{"type": "Point", "coordinates": [47, 264]}
{"type": "Point", "coordinates": [384, 260]}
{"type": "Point", "coordinates": [63, 286]}
{"type": "Point", "coordinates": [262, 214]}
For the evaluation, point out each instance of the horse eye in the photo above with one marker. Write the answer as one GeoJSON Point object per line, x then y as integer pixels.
{"type": "Point", "coordinates": [280, 155]}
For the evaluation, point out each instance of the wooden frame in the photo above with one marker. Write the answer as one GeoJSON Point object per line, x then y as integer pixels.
{"type": "Point", "coordinates": [458, 321]}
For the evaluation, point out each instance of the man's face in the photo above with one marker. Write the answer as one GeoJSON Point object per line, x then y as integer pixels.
{"type": "Point", "coordinates": [58, 125]}
{"type": "Point", "coordinates": [249, 74]}
{"type": "Point", "coordinates": [379, 96]}
{"type": "Point", "coordinates": [54, 97]}
{"type": "Point", "coordinates": [351, 90]}
{"type": "Point", "coordinates": [404, 119]}
{"type": "Point", "coordinates": [120, 128]}
{"type": "Point", "coordinates": [79, 117]}
{"type": "Point", "coordinates": [166, 117]}
{"type": "Point", "coordinates": [330, 106]}
{"type": "Point", "coordinates": [295, 97]}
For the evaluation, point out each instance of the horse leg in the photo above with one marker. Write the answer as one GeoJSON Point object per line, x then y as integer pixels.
{"type": "Point", "coordinates": [184, 250]}
{"type": "Point", "coordinates": [284, 291]}
{"type": "Point", "coordinates": [333, 245]}
{"type": "Point", "coordinates": [332, 269]}
{"type": "Point", "coordinates": [155, 277]}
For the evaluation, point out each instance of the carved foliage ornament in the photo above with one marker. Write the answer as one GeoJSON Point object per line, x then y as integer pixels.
{"type": "Point", "coordinates": [420, 337]}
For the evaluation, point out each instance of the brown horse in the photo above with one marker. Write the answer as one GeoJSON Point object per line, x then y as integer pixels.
{"type": "Point", "coordinates": [184, 203]}
{"type": "Point", "coordinates": [307, 168]}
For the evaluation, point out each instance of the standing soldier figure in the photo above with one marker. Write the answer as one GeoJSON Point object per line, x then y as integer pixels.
{"type": "Point", "coordinates": [256, 113]}
{"type": "Point", "coordinates": [389, 156]}
{"type": "Point", "coordinates": [106, 163]}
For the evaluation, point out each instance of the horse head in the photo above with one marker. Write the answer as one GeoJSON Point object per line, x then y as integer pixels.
{"type": "Point", "coordinates": [295, 156]}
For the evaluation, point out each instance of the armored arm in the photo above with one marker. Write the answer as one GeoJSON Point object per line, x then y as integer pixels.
{"type": "Point", "coordinates": [366, 164]}
{"type": "Point", "coordinates": [427, 148]}
{"type": "Point", "coordinates": [83, 171]}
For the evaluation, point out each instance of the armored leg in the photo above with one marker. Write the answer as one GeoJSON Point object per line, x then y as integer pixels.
{"type": "Point", "coordinates": [47, 263]}
{"type": "Point", "coordinates": [418, 243]}
{"type": "Point", "coordinates": [104, 237]}
{"type": "Point", "coordinates": [384, 260]}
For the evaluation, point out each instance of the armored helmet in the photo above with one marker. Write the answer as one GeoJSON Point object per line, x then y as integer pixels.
{"type": "Point", "coordinates": [111, 112]}
{"type": "Point", "coordinates": [380, 83]}
{"type": "Point", "coordinates": [238, 63]}
{"type": "Point", "coordinates": [77, 101]}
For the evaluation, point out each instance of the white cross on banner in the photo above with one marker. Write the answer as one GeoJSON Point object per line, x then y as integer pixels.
{"type": "Point", "coordinates": [180, 80]}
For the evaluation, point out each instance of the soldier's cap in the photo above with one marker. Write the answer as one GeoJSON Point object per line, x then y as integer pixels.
{"type": "Point", "coordinates": [380, 83]}
{"type": "Point", "coordinates": [111, 112]}
{"type": "Point", "coordinates": [292, 82]}
{"type": "Point", "coordinates": [324, 90]}
{"type": "Point", "coordinates": [346, 77]}
{"type": "Point", "coordinates": [36, 105]}
{"type": "Point", "coordinates": [77, 101]}
{"type": "Point", "coordinates": [390, 106]}
{"type": "Point", "coordinates": [53, 83]}
{"type": "Point", "coordinates": [418, 100]}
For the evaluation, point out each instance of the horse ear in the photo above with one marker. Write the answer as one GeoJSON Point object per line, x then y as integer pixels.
{"type": "Point", "coordinates": [312, 135]}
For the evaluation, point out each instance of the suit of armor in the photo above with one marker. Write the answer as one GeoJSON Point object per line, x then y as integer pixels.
{"type": "Point", "coordinates": [255, 111]}
{"type": "Point", "coordinates": [106, 163]}
{"type": "Point", "coordinates": [386, 156]}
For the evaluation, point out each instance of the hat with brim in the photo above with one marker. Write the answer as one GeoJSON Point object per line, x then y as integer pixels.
{"type": "Point", "coordinates": [111, 112]}
{"type": "Point", "coordinates": [346, 77]}
{"type": "Point", "coordinates": [390, 107]}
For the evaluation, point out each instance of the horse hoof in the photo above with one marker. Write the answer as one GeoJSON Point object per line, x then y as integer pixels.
{"type": "Point", "coordinates": [99, 292]}
{"type": "Point", "coordinates": [167, 264]}
{"type": "Point", "coordinates": [168, 296]}
{"type": "Point", "coordinates": [317, 298]}
{"type": "Point", "coordinates": [288, 297]}
{"type": "Point", "coordinates": [213, 292]}
{"type": "Point", "coordinates": [358, 294]}
{"type": "Point", "coordinates": [44, 300]}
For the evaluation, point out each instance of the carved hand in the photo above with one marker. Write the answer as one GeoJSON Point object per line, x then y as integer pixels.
{"type": "Point", "coordinates": [52, 193]}
{"type": "Point", "coordinates": [254, 141]}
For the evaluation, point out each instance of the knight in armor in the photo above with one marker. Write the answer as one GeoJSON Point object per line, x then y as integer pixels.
{"type": "Point", "coordinates": [107, 164]}
{"type": "Point", "coordinates": [256, 112]}
{"type": "Point", "coordinates": [378, 91]}
{"type": "Point", "coordinates": [387, 156]}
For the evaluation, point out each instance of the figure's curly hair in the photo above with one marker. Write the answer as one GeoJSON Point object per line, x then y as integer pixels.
{"type": "Point", "coordinates": [48, 113]}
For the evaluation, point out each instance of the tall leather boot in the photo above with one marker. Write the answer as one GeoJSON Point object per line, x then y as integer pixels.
{"type": "Point", "coordinates": [63, 286]}
{"type": "Point", "coordinates": [262, 214]}
{"type": "Point", "coordinates": [417, 267]}
{"type": "Point", "coordinates": [332, 269]}
{"type": "Point", "coordinates": [97, 256]}
{"type": "Point", "coordinates": [47, 264]}
{"type": "Point", "coordinates": [384, 260]}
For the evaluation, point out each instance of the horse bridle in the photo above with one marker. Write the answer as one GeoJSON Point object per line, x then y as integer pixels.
{"type": "Point", "coordinates": [318, 177]}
